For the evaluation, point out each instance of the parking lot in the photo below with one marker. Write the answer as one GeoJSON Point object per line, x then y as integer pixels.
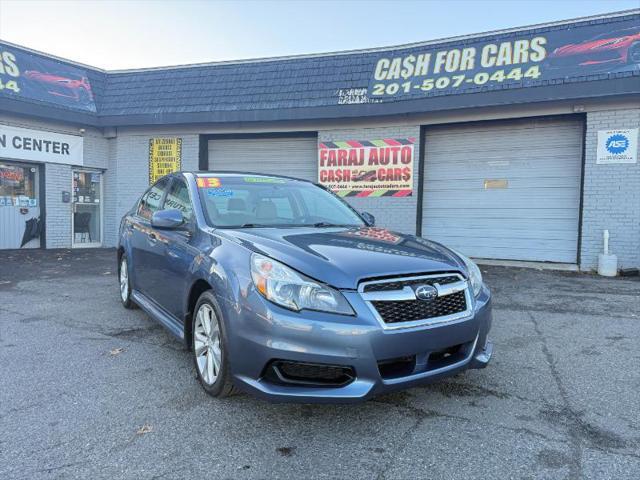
{"type": "Point", "coordinates": [91, 390]}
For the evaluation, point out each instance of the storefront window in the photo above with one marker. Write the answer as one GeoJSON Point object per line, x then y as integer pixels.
{"type": "Point", "coordinates": [86, 187]}
{"type": "Point", "coordinates": [20, 225]}
{"type": "Point", "coordinates": [18, 186]}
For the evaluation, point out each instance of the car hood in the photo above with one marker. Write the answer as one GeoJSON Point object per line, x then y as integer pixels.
{"type": "Point", "coordinates": [342, 257]}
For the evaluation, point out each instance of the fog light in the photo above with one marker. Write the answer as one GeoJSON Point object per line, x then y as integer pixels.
{"type": "Point", "coordinates": [309, 374]}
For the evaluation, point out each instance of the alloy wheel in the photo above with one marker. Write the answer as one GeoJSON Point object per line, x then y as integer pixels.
{"type": "Point", "coordinates": [124, 280]}
{"type": "Point", "coordinates": [207, 344]}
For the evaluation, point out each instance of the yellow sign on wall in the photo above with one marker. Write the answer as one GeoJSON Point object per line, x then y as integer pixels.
{"type": "Point", "coordinates": [165, 157]}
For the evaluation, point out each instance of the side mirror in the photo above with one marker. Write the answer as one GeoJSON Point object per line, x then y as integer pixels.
{"type": "Point", "coordinates": [167, 219]}
{"type": "Point", "coordinates": [369, 219]}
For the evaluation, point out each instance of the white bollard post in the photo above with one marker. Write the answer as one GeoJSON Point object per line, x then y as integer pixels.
{"type": "Point", "coordinates": [607, 262]}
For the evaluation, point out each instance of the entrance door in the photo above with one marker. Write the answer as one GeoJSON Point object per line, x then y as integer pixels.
{"type": "Point", "coordinates": [20, 224]}
{"type": "Point", "coordinates": [86, 221]}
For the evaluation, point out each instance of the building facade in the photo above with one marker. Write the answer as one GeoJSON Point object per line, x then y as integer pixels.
{"type": "Point", "coordinates": [512, 145]}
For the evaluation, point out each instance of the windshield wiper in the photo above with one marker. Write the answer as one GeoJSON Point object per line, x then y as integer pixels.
{"type": "Point", "coordinates": [250, 225]}
{"type": "Point", "coordinates": [328, 224]}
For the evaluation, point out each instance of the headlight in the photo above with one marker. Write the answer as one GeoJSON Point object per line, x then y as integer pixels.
{"type": "Point", "coordinates": [286, 287]}
{"type": "Point", "coordinates": [475, 277]}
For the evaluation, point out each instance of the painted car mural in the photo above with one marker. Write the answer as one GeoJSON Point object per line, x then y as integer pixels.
{"type": "Point", "coordinates": [617, 47]}
{"type": "Point", "coordinates": [27, 75]}
{"type": "Point", "coordinates": [76, 89]}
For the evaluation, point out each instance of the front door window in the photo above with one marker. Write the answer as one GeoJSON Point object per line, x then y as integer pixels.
{"type": "Point", "coordinates": [87, 208]}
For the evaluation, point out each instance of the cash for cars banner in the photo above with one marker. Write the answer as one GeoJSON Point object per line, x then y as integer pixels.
{"type": "Point", "coordinates": [518, 59]}
{"type": "Point", "coordinates": [367, 168]}
{"type": "Point", "coordinates": [25, 75]}
{"type": "Point", "coordinates": [165, 157]}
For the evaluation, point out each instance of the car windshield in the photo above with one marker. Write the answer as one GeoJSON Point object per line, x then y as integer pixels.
{"type": "Point", "coordinates": [261, 201]}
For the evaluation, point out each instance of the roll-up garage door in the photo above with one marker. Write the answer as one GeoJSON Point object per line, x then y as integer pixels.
{"type": "Point", "coordinates": [505, 190]}
{"type": "Point", "coordinates": [291, 156]}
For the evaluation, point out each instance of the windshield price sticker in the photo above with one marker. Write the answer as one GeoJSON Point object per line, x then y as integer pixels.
{"type": "Point", "coordinates": [219, 192]}
{"type": "Point", "coordinates": [264, 180]}
{"type": "Point", "coordinates": [208, 182]}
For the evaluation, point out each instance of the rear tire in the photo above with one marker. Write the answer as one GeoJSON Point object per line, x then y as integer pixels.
{"type": "Point", "coordinates": [209, 347]}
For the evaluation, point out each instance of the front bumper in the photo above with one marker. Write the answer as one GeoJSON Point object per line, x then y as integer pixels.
{"type": "Point", "coordinates": [260, 332]}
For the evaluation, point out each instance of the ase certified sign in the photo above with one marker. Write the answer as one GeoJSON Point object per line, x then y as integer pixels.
{"type": "Point", "coordinates": [40, 146]}
{"type": "Point", "coordinates": [617, 146]}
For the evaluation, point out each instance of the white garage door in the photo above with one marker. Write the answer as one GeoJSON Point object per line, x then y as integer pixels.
{"type": "Point", "coordinates": [507, 190]}
{"type": "Point", "coordinates": [292, 156]}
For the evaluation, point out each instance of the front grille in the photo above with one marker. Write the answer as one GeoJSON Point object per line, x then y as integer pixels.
{"type": "Point", "coordinates": [411, 310]}
{"type": "Point", "coordinates": [400, 284]}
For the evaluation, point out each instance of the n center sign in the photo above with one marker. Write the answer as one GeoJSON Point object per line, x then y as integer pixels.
{"type": "Point", "coordinates": [40, 146]}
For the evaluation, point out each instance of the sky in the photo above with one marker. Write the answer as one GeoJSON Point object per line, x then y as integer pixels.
{"type": "Point", "coordinates": [124, 34]}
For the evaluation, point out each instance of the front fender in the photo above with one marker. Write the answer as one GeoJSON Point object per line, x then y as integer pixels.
{"type": "Point", "coordinates": [224, 266]}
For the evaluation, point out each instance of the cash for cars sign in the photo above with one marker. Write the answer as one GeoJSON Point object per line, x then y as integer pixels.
{"type": "Point", "coordinates": [367, 168]}
{"type": "Point", "coordinates": [165, 157]}
{"type": "Point", "coordinates": [518, 59]}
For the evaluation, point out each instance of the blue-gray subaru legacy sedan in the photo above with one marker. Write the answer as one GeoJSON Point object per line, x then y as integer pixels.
{"type": "Point", "coordinates": [280, 288]}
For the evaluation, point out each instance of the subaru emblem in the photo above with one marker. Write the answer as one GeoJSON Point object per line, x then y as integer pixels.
{"type": "Point", "coordinates": [425, 292]}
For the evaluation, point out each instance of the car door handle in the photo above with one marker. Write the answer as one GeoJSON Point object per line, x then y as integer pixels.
{"type": "Point", "coordinates": [153, 237]}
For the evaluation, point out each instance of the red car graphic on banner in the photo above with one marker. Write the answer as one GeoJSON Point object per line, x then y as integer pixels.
{"type": "Point", "coordinates": [617, 47]}
{"type": "Point", "coordinates": [365, 176]}
{"type": "Point", "coordinates": [76, 89]}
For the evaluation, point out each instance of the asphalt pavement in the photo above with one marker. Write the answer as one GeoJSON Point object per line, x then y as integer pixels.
{"type": "Point", "coordinates": [91, 390]}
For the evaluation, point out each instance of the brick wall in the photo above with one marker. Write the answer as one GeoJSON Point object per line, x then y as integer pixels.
{"type": "Point", "coordinates": [611, 196]}
{"type": "Point", "coordinates": [58, 214]}
{"type": "Point", "coordinates": [96, 151]}
{"type": "Point", "coordinates": [394, 213]}
{"type": "Point", "coordinates": [127, 176]}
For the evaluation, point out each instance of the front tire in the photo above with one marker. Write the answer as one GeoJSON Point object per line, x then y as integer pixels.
{"type": "Point", "coordinates": [209, 347]}
{"type": "Point", "coordinates": [125, 284]}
